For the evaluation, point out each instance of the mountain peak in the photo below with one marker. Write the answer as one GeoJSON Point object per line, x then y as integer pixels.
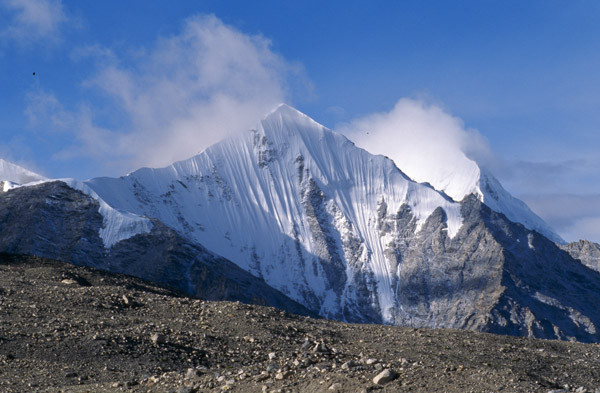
{"type": "Point", "coordinates": [284, 116]}
{"type": "Point", "coordinates": [284, 110]}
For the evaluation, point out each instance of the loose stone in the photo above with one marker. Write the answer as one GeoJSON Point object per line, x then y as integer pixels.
{"type": "Point", "coordinates": [385, 376]}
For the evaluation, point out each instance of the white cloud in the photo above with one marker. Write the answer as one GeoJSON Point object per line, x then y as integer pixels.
{"type": "Point", "coordinates": [425, 142]}
{"type": "Point", "coordinates": [31, 21]}
{"type": "Point", "coordinates": [176, 98]}
{"type": "Point", "coordinates": [45, 109]}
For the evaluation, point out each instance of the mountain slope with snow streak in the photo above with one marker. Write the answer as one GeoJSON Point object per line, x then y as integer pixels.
{"type": "Point", "coordinates": [293, 203]}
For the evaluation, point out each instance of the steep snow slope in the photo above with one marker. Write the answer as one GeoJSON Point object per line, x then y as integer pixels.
{"type": "Point", "coordinates": [12, 175]}
{"type": "Point", "coordinates": [294, 203]}
{"type": "Point", "coordinates": [498, 199]}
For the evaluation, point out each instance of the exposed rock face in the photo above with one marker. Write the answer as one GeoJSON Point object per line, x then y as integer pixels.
{"type": "Point", "coordinates": [494, 276]}
{"type": "Point", "coordinates": [55, 221]}
{"type": "Point", "coordinates": [585, 251]}
{"type": "Point", "coordinates": [51, 220]}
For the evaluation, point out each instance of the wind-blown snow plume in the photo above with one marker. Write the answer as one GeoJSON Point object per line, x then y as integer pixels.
{"type": "Point", "coordinates": [431, 146]}
{"type": "Point", "coordinates": [425, 142]}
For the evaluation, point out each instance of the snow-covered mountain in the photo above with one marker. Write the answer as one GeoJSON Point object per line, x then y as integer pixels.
{"type": "Point", "coordinates": [339, 230]}
{"type": "Point", "coordinates": [292, 202]}
{"type": "Point", "coordinates": [347, 233]}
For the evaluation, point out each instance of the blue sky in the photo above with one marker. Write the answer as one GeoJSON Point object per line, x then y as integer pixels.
{"type": "Point", "coordinates": [117, 84]}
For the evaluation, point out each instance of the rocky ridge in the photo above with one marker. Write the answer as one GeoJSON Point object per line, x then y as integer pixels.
{"type": "Point", "coordinates": [585, 251]}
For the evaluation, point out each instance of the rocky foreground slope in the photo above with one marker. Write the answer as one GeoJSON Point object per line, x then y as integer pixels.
{"type": "Point", "coordinates": [65, 328]}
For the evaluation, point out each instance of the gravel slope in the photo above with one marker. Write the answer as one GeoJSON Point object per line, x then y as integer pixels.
{"type": "Point", "coordinates": [65, 328]}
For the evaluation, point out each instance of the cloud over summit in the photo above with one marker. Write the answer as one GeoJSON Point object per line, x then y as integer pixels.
{"type": "Point", "coordinates": [425, 142]}
{"type": "Point", "coordinates": [186, 92]}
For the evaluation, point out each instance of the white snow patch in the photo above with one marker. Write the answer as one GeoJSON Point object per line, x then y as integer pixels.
{"type": "Point", "coordinates": [117, 225]}
{"type": "Point", "coordinates": [530, 241]}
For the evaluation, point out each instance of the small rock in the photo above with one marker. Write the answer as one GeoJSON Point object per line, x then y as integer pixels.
{"type": "Point", "coordinates": [385, 376]}
{"type": "Point", "coordinates": [262, 377]}
{"type": "Point", "coordinates": [321, 348]}
{"type": "Point", "coordinates": [185, 389]}
{"type": "Point", "coordinates": [282, 375]}
{"type": "Point", "coordinates": [192, 373]}
{"type": "Point", "coordinates": [157, 338]}
{"type": "Point", "coordinates": [68, 281]}
{"type": "Point", "coordinates": [349, 364]}
{"type": "Point", "coordinates": [131, 383]}
{"type": "Point", "coordinates": [336, 387]}
{"type": "Point", "coordinates": [272, 355]}
{"type": "Point", "coordinates": [371, 361]}
{"type": "Point", "coordinates": [306, 344]}
{"type": "Point", "coordinates": [271, 368]}
{"type": "Point", "coordinates": [70, 375]}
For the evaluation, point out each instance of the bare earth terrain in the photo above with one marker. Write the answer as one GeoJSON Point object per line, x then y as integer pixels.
{"type": "Point", "coordinates": [65, 328]}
